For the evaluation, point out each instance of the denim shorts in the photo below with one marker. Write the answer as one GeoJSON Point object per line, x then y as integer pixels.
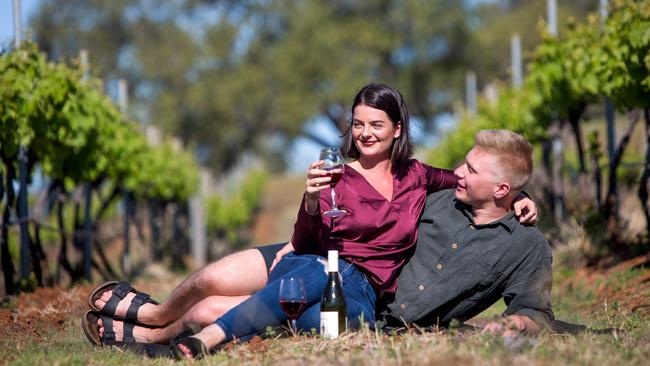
{"type": "Point", "coordinates": [269, 252]}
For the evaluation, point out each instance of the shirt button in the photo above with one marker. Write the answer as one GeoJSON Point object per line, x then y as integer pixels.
{"type": "Point", "coordinates": [421, 287]}
{"type": "Point", "coordinates": [439, 266]}
{"type": "Point", "coordinates": [403, 306]}
{"type": "Point", "coordinates": [454, 246]}
{"type": "Point", "coordinates": [471, 226]}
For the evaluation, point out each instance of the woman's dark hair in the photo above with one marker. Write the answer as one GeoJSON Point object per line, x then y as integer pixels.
{"type": "Point", "coordinates": [389, 100]}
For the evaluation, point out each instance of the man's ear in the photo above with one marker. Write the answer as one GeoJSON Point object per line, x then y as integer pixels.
{"type": "Point", "coordinates": [501, 190]}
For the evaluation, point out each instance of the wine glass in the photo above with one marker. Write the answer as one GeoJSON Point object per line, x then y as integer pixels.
{"type": "Point", "coordinates": [334, 164]}
{"type": "Point", "coordinates": [292, 299]}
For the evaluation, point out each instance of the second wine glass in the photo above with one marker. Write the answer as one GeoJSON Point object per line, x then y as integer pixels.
{"type": "Point", "coordinates": [335, 165]}
{"type": "Point", "coordinates": [293, 299]}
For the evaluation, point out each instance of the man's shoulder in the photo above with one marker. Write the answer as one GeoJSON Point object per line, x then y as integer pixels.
{"type": "Point", "coordinates": [532, 238]}
{"type": "Point", "coordinates": [444, 196]}
{"type": "Point", "coordinates": [438, 202]}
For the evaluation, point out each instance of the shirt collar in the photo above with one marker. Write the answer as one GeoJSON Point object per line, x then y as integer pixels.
{"type": "Point", "coordinates": [508, 221]}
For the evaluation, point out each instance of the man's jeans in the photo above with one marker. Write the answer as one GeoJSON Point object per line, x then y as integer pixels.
{"type": "Point", "coordinates": [263, 310]}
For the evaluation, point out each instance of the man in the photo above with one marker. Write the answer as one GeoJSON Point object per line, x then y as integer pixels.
{"type": "Point", "coordinates": [471, 251]}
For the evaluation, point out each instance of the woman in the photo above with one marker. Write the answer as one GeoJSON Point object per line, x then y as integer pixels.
{"type": "Point", "coordinates": [384, 192]}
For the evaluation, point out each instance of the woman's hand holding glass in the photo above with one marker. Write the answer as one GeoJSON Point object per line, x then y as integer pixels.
{"type": "Point", "coordinates": [320, 176]}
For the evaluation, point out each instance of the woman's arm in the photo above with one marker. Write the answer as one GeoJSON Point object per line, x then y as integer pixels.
{"type": "Point", "coordinates": [437, 179]}
{"type": "Point", "coordinates": [308, 230]}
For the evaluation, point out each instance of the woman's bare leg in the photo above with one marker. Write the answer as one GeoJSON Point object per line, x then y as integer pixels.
{"type": "Point", "coordinates": [238, 274]}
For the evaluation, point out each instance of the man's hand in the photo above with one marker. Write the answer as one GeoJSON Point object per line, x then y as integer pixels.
{"type": "Point", "coordinates": [525, 209]}
{"type": "Point", "coordinates": [281, 253]}
{"type": "Point", "coordinates": [511, 326]}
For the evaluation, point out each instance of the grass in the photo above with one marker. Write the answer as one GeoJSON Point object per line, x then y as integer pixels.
{"type": "Point", "coordinates": [371, 348]}
{"type": "Point", "coordinates": [578, 297]}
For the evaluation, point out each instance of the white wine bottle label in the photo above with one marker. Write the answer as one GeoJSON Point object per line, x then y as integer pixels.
{"type": "Point", "coordinates": [329, 324]}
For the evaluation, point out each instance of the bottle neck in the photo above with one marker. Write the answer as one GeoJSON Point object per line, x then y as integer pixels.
{"type": "Point", "coordinates": [333, 267]}
{"type": "Point", "coordinates": [332, 261]}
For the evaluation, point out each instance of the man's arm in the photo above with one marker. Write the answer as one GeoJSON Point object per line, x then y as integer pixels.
{"type": "Point", "coordinates": [528, 293]}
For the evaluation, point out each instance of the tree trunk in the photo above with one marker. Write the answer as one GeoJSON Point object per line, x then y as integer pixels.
{"type": "Point", "coordinates": [154, 224]}
{"type": "Point", "coordinates": [165, 236]}
{"type": "Point", "coordinates": [8, 269]}
{"type": "Point", "coordinates": [126, 254]}
{"type": "Point", "coordinates": [62, 259]}
{"type": "Point", "coordinates": [180, 247]}
{"type": "Point", "coordinates": [87, 232]}
{"type": "Point", "coordinates": [610, 208]}
{"type": "Point", "coordinates": [547, 168]}
{"type": "Point", "coordinates": [643, 184]}
{"type": "Point", "coordinates": [107, 270]}
{"type": "Point", "coordinates": [594, 156]}
{"type": "Point", "coordinates": [38, 255]}
{"type": "Point", "coordinates": [557, 148]}
{"type": "Point", "coordinates": [77, 237]}
{"type": "Point", "coordinates": [26, 260]}
{"type": "Point", "coordinates": [138, 220]}
{"type": "Point", "coordinates": [574, 121]}
{"type": "Point", "coordinates": [106, 203]}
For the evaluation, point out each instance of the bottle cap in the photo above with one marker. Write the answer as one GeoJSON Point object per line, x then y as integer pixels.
{"type": "Point", "coordinates": [332, 260]}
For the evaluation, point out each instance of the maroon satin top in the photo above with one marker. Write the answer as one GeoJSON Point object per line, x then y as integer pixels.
{"type": "Point", "coordinates": [377, 235]}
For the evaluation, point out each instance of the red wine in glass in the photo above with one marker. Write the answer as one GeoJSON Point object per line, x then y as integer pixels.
{"type": "Point", "coordinates": [333, 161]}
{"type": "Point", "coordinates": [293, 309]}
{"type": "Point", "coordinates": [335, 175]}
{"type": "Point", "coordinates": [292, 299]}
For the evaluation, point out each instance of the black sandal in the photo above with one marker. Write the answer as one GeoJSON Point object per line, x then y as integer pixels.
{"type": "Point", "coordinates": [188, 348]}
{"type": "Point", "coordinates": [91, 330]}
{"type": "Point", "coordinates": [120, 290]}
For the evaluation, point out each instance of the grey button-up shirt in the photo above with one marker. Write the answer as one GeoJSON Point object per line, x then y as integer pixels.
{"type": "Point", "coordinates": [460, 269]}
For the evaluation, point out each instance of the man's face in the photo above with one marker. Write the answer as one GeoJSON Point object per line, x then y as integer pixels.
{"type": "Point", "coordinates": [477, 178]}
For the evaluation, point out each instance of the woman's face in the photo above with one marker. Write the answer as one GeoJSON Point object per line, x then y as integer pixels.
{"type": "Point", "coordinates": [373, 132]}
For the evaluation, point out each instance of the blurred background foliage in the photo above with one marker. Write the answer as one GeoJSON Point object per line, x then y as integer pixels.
{"type": "Point", "coordinates": [568, 78]}
{"type": "Point", "coordinates": [228, 76]}
{"type": "Point", "coordinates": [231, 213]}
{"type": "Point", "coordinates": [242, 81]}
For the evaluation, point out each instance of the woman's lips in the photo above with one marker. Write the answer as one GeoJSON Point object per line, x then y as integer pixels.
{"type": "Point", "coordinates": [368, 143]}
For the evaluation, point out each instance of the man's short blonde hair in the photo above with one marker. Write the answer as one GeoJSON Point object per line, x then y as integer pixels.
{"type": "Point", "coordinates": [514, 155]}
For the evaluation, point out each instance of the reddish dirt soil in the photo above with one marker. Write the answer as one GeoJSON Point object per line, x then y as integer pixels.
{"type": "Point", "coordinates": [36, 316]}
{"type": "Point", "coordinates": [634, 297]}
{"type": "Point", "coordinates": [33, 316]}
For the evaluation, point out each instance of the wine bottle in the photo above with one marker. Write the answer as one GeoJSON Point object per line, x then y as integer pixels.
{"type": "Point", "coordinates": [333, 311]}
